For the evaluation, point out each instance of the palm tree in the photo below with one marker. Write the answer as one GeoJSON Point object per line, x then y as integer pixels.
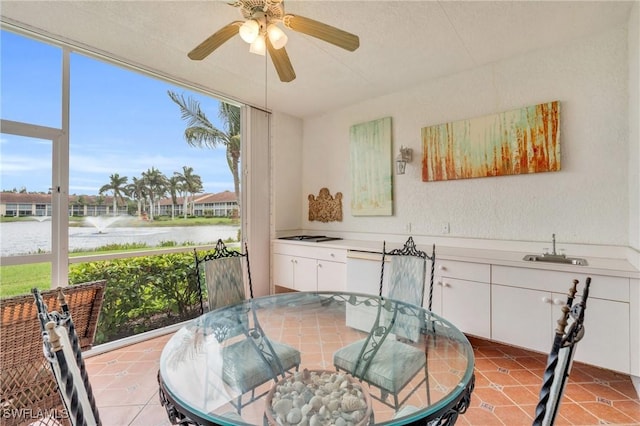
{"type": "Point", "coordinates": [137, 190]}
{"type": "Point", "coordinates": [200, 132]}
{"type": "Point", "coordinates": [174, 185]}
{"type": "Point", "coordinates": [192, 185]}
{"type": "Point", "coordinates": [155, 182]}
{"type": "Point", "coordinates": [117, 186]}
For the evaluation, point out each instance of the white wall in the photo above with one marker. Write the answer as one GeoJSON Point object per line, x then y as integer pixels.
{"type": "Point", "coordinates": [286, 175]}
{"type": "Point", "coordinates": [587, 202]}
{"type": "Point", "coordinates": [634, 132]}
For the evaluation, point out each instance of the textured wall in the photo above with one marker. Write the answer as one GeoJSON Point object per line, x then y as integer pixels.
{"type": "Point", "coordinates": [634, 130]}
{"type": "Point", "coordinates": [587, 202]}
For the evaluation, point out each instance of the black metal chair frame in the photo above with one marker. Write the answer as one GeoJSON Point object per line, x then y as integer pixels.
{"type": "Point", "coordinates": [55, 355]}
{"type": "Point", "coordinates": [560, 358]}
{"type": "Point", "coordinates": [254, 334]}
{"type": "Point", "coordinates": [220, 252]}
{"type": "Point", "coordinates": [380, 332]}
{"type": "Point", "coordinates": [410, 249]}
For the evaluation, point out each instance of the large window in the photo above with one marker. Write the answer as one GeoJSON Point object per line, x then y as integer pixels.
{"type": "Point", "coordinates": [120, 163]}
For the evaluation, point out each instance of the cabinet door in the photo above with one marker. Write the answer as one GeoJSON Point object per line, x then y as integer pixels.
{"type": "Point", "coordinates": [606, 333]}
{"type": "Point", "coordinates": [305, 276]}
{"type": "Point", "coordinates": [283, 270]}
{"type": "Point", "coordinates": [521, 317]}
{"type": "Point", "coordinates": [467, 305]}
{"type": "Point", "coordinates": [331, 276]}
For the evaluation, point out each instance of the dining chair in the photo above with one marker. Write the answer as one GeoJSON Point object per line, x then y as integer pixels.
{"type": "Point", "coordinates": [62, 350]}
{"type": "Point", "coordinates": [395, 350]}
{"type": "Point", "coordinates": [227, 277]}
{"type": "Point", "coordinates": [27, 384]}
{"type": "Point", "coordinates": [560, 357]}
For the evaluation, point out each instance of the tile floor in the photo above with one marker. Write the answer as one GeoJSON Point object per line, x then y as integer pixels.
{"type": "Point", "coordinates": [507, 385]}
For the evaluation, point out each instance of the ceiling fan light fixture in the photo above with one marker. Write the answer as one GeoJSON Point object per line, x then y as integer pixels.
{"type": "Point", "coordinates": [250, 30]}
{"type": "Point", "coordinates": [259, 46]}
{"type": "Point", "coordinates": [277, 37]}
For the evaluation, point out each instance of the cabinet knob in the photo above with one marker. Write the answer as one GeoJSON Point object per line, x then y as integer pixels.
{"type": "Point", "coordinates": [319, 265]}
{"type": "Point", "coordinates": [442, 267]}
{"type": "Point", "coordinates": [546, 299]}
{"type": "Point", "coordinates": [440, 283]}
{"type": "Point", "coordinates": [446, 284]}
{"type": "Point", "coordinates": [332, 255]}
{"type": "Point", "coordinates": [558, 302]}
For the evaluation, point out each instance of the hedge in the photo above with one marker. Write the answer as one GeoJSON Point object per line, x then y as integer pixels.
{"type": "Point", "coordinates": [142, 293]}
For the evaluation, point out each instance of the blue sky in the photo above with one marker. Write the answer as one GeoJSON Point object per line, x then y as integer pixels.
{"type": "Point", "coordinates": [120, 122]}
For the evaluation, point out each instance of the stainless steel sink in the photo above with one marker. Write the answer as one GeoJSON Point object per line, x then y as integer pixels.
{"type": "Point", "coordinates": [555, 258]}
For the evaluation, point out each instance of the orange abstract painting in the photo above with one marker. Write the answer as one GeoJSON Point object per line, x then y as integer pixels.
{"type": "Point", "coordinates": [526, 140]}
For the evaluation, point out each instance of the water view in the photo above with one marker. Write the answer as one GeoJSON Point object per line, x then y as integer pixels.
{"type": "Point", "coordinates": [17, 238]}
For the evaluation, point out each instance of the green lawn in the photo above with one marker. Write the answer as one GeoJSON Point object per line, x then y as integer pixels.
{"type": "Point", "coordinates": [20, 279]}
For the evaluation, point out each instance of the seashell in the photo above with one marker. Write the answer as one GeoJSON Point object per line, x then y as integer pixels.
{"type": "Point", "coordinates": [326, 400]}
{"type": "Point", "coordinates": [333, 405]}
{"type": "Point", "coordinates": [316, 402]}
{"type": "Point", "coordinates": [298, 402]}
{"type": "Point", "coordinates": [304, 422]}
{"type": "Point", "coordinates": [315, 420]}
{"type": "Point", "coordinates": [356, 416]}
{"type": "Point", "coordinates": [305, 409]}
{"type": "Point", "coordinates": [340, 422]}
{"type": "Point", "coordinates": [307, 395]}
{"type": "Point", "coordinates": [294, 416]}
{"type": "Point", "coordinates": [299, 387]}
{"type": "Point", "coordinates": [282, 407]}
{"type": "Point", "coordinates": [323, 412]}
{"type": "Point", "coordinates": [331, 387]}
{"type": "Point", "coordinates": [351, 403]}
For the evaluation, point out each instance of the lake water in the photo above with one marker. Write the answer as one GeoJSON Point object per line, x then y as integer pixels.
{"type": "Point", "coordinates": [29, 237]}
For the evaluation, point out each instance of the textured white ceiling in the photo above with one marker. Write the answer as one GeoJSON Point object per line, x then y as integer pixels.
{"type": "Point", "coordinates": [402, 43]}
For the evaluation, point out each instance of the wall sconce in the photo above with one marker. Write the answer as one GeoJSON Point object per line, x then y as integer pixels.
{"type": "Point", "coordinates": [402, 159]}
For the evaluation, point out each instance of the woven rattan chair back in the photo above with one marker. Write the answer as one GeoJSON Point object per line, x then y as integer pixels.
{"type": "Point", "coordinates": [28, 390]}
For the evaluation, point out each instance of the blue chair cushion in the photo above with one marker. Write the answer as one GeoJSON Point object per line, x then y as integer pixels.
{"type": "Point", "coordinates": [393, 366]}
{"type": "Point", "coordinates": [244, 369]}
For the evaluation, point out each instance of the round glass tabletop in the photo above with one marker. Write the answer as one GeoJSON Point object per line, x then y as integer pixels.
{"type": "Point", "coordinates": [315, 358]}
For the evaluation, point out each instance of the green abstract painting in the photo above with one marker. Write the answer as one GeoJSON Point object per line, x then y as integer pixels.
{"type": "Point", "coordinates": [525, 140]}
{"type": "Point", "coordinates": [371, 168]}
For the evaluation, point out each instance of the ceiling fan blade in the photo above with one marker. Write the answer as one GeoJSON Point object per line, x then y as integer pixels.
{"type": "Point", "coordinates": [216, 40]}
{"type": "Point", "coordinates": [281, 62]}
{"type": "Point", "coordinates": [322, 31]}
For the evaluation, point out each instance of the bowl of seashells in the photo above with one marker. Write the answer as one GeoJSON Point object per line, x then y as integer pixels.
{"type": "Point", "coordinates": [318, 398]}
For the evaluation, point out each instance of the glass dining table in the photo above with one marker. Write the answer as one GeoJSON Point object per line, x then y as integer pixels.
{"type": "Point", "coordinates": [360, 360]}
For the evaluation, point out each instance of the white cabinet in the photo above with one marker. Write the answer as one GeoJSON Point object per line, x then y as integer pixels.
{"type": "Point", "coordinates": [296, 273]}
{"type": "Point", "coordinates": [331, 275]}
{"type": "Point", "coordinates": [308, 268]}
{"type": "Point", "coordinates": [521, 317]}
{"type": "Point", "coordinates": [526, 304]}
{"type": "Point", "coordinates": [462, 295]}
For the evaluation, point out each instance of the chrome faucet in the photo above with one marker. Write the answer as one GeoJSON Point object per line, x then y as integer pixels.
{"type": "Point", "coordinates": [553, 252]}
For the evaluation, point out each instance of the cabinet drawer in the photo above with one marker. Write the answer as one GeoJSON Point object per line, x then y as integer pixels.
{"type": "Point", "coordinates": [320, 253]}
{"type": "Point", "coordinates": [602, 286]}
{"type": "Point", "coordinates": [463, 270]}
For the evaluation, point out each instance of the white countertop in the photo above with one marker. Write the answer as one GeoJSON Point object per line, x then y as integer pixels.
{"type": "Point", "coordinates": [596, 265]}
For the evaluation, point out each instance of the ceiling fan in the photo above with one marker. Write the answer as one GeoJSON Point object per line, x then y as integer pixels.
{"type": "Point", "coordinates": [260, 30]}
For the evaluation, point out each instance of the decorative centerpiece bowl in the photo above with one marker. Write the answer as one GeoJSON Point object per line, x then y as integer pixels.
{"type": "Point", "coordinates": [317, 398]}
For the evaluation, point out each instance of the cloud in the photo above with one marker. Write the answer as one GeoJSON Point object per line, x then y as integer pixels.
{"type": "Point", "coordinates": [20, 164]}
